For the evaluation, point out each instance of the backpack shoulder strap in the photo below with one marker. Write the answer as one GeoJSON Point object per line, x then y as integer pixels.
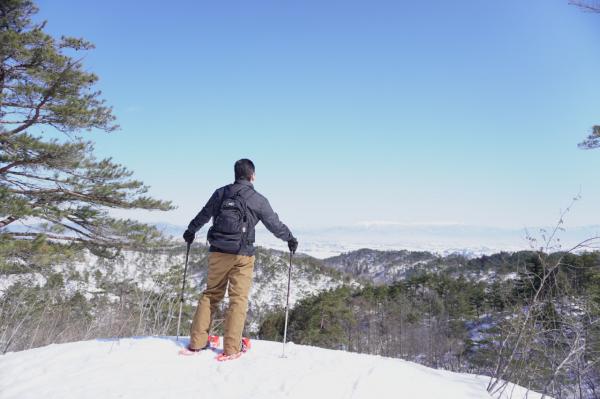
{"type": "Point", "coordinates": [245, 200]}
{"type": "Point", "coordinates": [225, 189]}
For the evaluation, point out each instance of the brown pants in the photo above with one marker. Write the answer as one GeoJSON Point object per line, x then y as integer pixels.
{"type": "Point", "coordinates": [223, 269]}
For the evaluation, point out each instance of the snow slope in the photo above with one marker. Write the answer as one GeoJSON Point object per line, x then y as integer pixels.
{"type": "Point", "coordinates": [151, 368]}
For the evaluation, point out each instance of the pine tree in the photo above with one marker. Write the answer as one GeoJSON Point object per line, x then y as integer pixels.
{"type": "Point", "coordinates": [49, 176]}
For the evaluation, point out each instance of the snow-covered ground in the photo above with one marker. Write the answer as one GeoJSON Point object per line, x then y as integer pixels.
{"type": "Point", "coordinates": [151, 368]}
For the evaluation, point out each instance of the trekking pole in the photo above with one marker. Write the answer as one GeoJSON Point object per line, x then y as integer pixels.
{"type": "Point", "coordinates": [287, 305]}
{"type": "Point", "coordinates": [187, 254]}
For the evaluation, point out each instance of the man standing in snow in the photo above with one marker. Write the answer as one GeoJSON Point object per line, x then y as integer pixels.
{"type": "Point", "coordinates": [235, 209]}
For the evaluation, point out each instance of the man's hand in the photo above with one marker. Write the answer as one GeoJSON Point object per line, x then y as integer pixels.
{"type": "Point", "coordinates": [293, 245]}
{"type": "Point", "coordinates": [188, 236]}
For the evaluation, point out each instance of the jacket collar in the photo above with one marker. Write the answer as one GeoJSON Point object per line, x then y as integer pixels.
{"type": "Point", "coordinates": [244, 182]}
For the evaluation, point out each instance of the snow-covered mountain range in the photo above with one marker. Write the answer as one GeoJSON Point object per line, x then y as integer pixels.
{"type": "Point", "coordinates": [441, 239]}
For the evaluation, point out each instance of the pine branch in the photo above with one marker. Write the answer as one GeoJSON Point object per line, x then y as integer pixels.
{"type": "Point", "coordinates": [593, 140]}
{"type": "Point", "coordinates": [72, 195]}
{"type": "Point", "coordinates": [12, 165]}
{"type": "Point", "coordinates": [52, 236]}
{"type": "Point", "coordinates": [585, 6]}
{"type": "Point", "coordinates": [74, 229]}
{"type": "Point", "coordinates": [47, 96]}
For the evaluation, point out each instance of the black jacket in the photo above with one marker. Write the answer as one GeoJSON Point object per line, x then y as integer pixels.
{"type": "Point", "coordinates": [259, 209]}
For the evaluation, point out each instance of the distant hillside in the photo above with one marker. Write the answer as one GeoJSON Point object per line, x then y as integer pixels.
{"type": "Point", "coordinates": [383, 267]}
{"type": "Point", "coordinates": [386, 267]}
{"type": "Point", "coordinates": [137, 293]}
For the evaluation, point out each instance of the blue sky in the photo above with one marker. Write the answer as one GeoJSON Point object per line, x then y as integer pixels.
{"type": "Point", "coordinates": [415, 112]}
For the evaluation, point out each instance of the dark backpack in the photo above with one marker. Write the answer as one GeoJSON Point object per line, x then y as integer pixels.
{"type": "Point", "coordinates": [230, 225]}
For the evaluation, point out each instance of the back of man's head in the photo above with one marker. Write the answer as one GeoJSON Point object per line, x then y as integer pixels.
{"type": "Point", "coordinates": [244, 169]}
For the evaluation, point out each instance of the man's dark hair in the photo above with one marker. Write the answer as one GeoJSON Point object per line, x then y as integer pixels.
{"type": "Point", "coordinates": [244, 169]}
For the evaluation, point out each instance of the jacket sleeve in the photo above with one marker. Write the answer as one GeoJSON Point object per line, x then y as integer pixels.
{"type": "Point", "coordinates": [206, 213]}
{"type": "Point", "coordinates": [271, 221]}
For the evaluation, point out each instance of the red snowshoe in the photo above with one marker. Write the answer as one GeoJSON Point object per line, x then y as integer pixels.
{"type": "Point", "coordinates": [213, 343]}
{"type": "Point", "coordinates": [244, 348]}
